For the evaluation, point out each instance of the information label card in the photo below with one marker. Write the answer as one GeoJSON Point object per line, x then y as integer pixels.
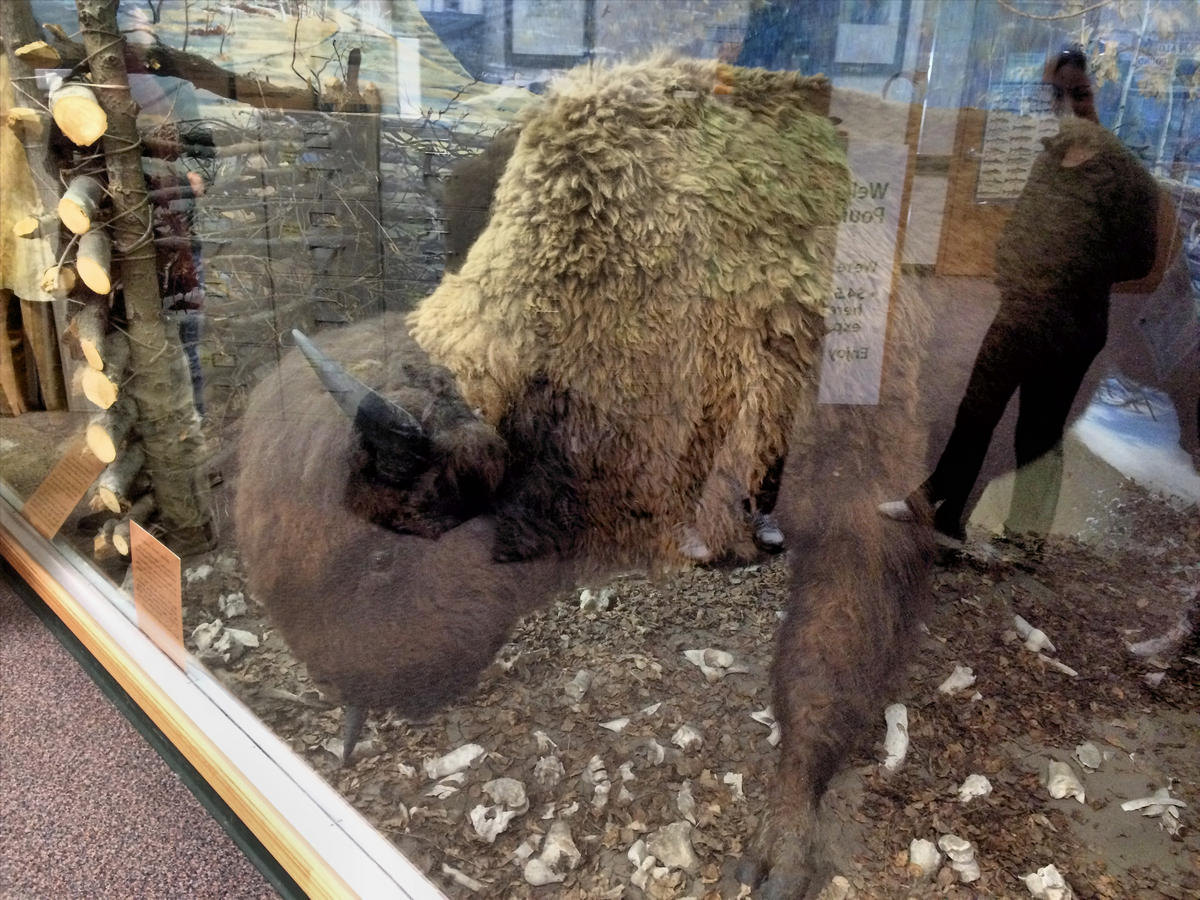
{"type": "Point", "coordinates": [857, 308]}
{"type": "Point", "coordinates": [48, 506]}
{"type": "Point", "coordinates": [157, 592]}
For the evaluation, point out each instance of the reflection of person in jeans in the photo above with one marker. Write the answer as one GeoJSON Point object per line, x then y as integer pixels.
{"type": "Point", "coordinates": [1085, 220]}
{"type": "Point", "coordinates": [179, 261]}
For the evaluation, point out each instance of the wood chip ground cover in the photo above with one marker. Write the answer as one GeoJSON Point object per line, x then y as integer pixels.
{"type": "Point", "coordinates": [629, 782]}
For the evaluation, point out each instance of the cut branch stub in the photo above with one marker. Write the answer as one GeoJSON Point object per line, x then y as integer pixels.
{"type": "Point", "coordinates": [114, 487]}
{"type": "Point", "coordinates": [93, 261]}
{"type": "Point", "coordinates": [87, 331]}
{"type": "Point", "coordinates": [39, 54]}
{"type": "Point", "coordinates": [58, 281]}
{"type": "Point", "coordinates": [28, 123]}
{"type": "Point", "coordinates": [98, 387]}
{"type": "Point", "coordinates": [106, 432]}
{"type": "Point", "coordinates": [81, 202]}
{"type": "Point", "coordinates": [139, 512]}
{"type": "Point", "coordinates": [35, 226]}
{"type": "Point", "coordinates": [103, 548]}
{"type": "Point", "coordinates": [77, 113]}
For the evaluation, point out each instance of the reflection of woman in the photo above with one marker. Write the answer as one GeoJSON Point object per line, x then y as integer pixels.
{"type": "Point", "coordinates": [177, 249]}
{"type": "Point", "coordinates": [1085, 220]}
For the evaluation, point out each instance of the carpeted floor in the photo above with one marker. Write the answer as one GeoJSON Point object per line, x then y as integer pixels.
{"type": "Point", "coordinates": [87, 807]}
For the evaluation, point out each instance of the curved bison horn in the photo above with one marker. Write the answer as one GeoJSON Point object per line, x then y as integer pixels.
{"type": "Point", "coordinates": [393, 438]}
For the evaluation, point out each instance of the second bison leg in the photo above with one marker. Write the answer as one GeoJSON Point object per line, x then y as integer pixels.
{"type": "Point", "coordinates": [857, 592]}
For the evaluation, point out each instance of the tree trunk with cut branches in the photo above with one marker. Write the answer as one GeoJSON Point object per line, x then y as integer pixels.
{"type": "Point", "coordinates": [159, 380]}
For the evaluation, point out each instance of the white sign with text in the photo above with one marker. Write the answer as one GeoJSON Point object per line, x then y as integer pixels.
{"type": "Point", "coordinates": [857, 308]}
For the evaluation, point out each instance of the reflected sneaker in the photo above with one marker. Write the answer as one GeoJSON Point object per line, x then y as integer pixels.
{"type": "Point", "coordinates": [898, 510]}
{"type": "Point", "coordinates": [767, 533]}
{"type": "Point", "coordinates": [947, 541]}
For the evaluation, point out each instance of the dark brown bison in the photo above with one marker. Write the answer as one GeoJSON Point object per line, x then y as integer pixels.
{"type": "Point", "coordinates": [629, 347]}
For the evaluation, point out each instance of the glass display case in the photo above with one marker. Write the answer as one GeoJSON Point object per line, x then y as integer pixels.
{"type": "Point", "coordinates": [601, 448]}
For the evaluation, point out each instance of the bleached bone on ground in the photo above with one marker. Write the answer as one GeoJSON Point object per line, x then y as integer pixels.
{"type": "Point", "coordinates": [895, 742]}
{"type": "Point", "coordinates": [578, 686]}
{"type": "Point", "coordinates": [974, 786]}
{"type": "Point", "coordinates": [490, 822]}
{"type": "Point", "coordinates": [508, 792]}
{"type": "Point", "coordinates": [924, 856]}
{"type": "Point", "coordinates": [1059, 666]}
{"type": "Point", "coordinates": [687, 738]}
{"type": "Point", "coordinates": [448, 786]}
{"type": "Point", "coordinates": [960, 679]}
{"type": "Point", "coordinates": [1035, 639]}
{"type": "Point", "coordinates": [961, 854]}
{"type": "Point", "coordinates": [656, 753]}
{"type": "Point", "coordinates": [559, 855]}
{"type": "Point", "coordinates": [597, 776]}
{"type": "Point", "coordinates": [1047, 883]}
{"type": "Point", "coordinates": [1089, 755]}
{"type": "Point", "coordinates": [1061, 781]}
{"type": "Point", "coordinates": [548, 771]}
{"type": "Point", "coordinates": [1160, 804]}
{"type": "Point", "coordinates": [686, 803]}
{"type": "Point", "coordinates": [767, 717]}
{"type": "Point", "coordinates": [646, 869]}
{"type": "Point", "coordinates": [839, 888]}
{"type": "Point", "coordinates": [232, 605]}
{"type": "Point", "coordinates": [715, 664]}
{"type": "Point", "coordinates": [206, 634]}
{"type": "Point", "coordinates": [595, 601]}
{"type": "Point", "coordinates": [734, 780]}
{"type": "Point", "coordinates": [462, 879]}
{"type": "Point", "coordinates": [454, 761]}
{"type": "Point", "coordinates": [672, 845]}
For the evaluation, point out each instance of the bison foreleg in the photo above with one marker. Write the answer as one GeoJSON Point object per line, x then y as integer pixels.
{"type": "Point", "coordinates": [857, 592]}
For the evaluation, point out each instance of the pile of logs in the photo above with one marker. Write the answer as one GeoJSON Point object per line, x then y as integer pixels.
{"type": "Point", "coordinates": [122, 494]}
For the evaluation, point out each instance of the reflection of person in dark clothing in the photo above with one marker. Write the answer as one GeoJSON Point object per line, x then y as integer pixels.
{"type": "Point", "coordinates": [1085, 220]}
{"type": "Point", "coordinates": [177, 249]}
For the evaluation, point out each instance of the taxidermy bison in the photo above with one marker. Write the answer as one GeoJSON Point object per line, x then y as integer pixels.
{"type": "Point", "coordinates": [630, 345]}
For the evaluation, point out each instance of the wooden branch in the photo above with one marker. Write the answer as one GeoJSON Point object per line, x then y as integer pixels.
{"type": "Point", "coordinates": [93, 260]}
{"type": "Point", "coordinates": [139, 512]}
{"type": "Point", "coordinates": [169, 426]}
{"type": "Point", "coordinates": [163, 196]}
{"type": "Point", "coordinates": [158, 146]}
{"type": "Point", "coordinates": [81, 202]}
{"type": "Point", "coordinates": [77, 113]}
{"type": "Point", "coordinates": [114, 483]}
{"type": "Point", "coordinates": [107, 430]}
{"type": "Point", "coordinates": [158, 59]}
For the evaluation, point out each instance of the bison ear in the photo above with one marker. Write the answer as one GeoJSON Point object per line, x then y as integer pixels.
{"type": "Point", "coordinates": [396, 445]}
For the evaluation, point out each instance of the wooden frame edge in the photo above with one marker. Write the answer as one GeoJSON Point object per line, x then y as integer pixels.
{"type": "Point", "coordinates": [310, 871]}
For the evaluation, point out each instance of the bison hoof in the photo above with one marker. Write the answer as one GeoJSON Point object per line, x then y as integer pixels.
{"type": "Point", "coordinates": [779, 862]}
